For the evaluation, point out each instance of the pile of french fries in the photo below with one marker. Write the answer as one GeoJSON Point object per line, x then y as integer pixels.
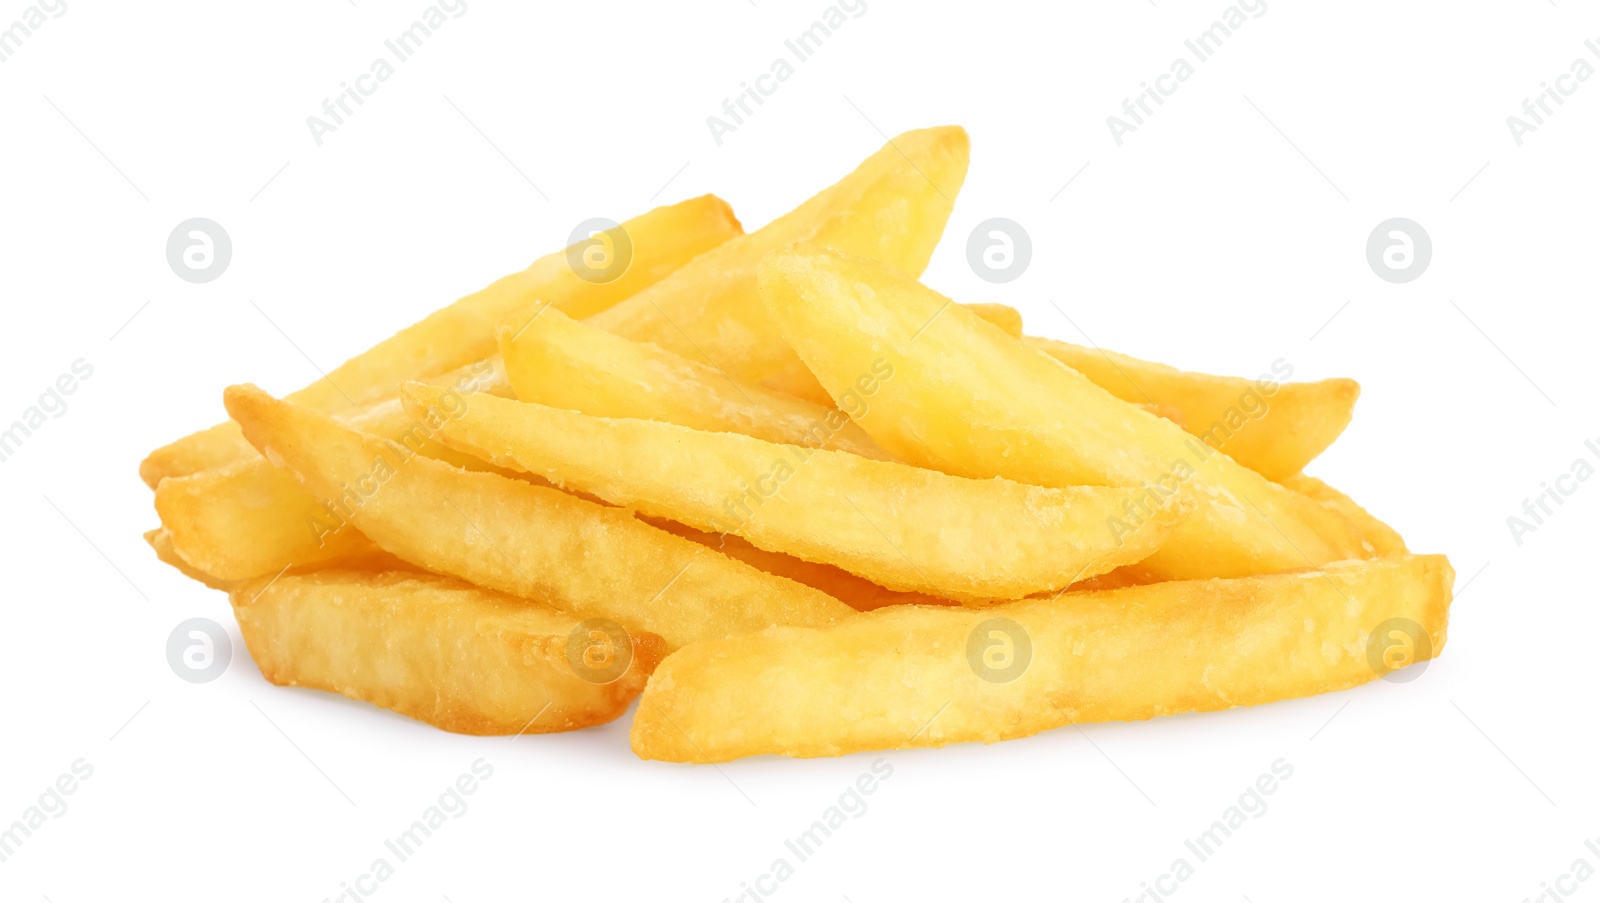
{"type": "Point", "coordinates": [792, 499]}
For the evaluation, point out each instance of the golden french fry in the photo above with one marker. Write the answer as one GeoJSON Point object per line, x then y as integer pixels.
{"type": "Point", "coordinates": [902, 527]}
{"type": "Point", "coordinates": [1378, 538]}
{"type": "Point", "coordinates": [527, 540]}
{"type": "Point", "coordinates": [915, 676]}
{"type": "Point", "coordinates": [554, 360]}
{"type": "Point", "coordinates": [794, 378]}
{"type": "Point", "coordinates": [969, 400]}
{"type": "Point", "coordinates": [661, 241]}
{"type": "Point", "coordinates": [438, 650]}
{"type": "Point", "coordinates": [251, 517]}
{"type": "Point", "coordinates": [160, 539]}
{"type": "Point", "coordinates": [893, 208]}
{"type": "Point", "coordinates": [1271, 427]}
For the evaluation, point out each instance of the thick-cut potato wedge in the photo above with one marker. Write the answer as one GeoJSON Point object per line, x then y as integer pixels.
{"type": "Point", "coordinates": [438, 650]}
{"type": "Point", "coordinates": [893, 208]}
{"type": "Point", "coordinates": [160, 539]}
{"type": "Point", "coordinates": [903, 527]}
{"type": "Point", "coordinates": [251, 517]}
{"type": "Point", "coordinates": [968, 399]}
{"type": "Point", "coordinates": [1273, 428]}
{"type": "Point", "coordinates": [554, 360]}
{"type": "Point", "coordinates": [530, 541]}
{"type": "Point", "coordinates": [662, 240]}
{"type": "Point", "coordinates": [915, 676]}
{"type": "Point", "coordinates": [1378, 537]}
{"type": "Point", "coordinates": [859, 593]}
{"type": "Point", "coordinates": [794, 378]}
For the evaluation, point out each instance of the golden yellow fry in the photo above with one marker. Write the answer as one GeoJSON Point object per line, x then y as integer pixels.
{"type": "Point", "coordinates": [967, 399]}
{"type": "Point", "coordinates": [893, 208]}
{"type": "Point", "coordinates": [438, 650]}
{"type": "Point", "coordinates": [527, 540]}
{"type": "Point", "coordinates": [1378, 538]}
{"type": "Point", "coordinates": [902, 527]}
{"type": "Point", "coordinates": [914, 676]}
{"type": "Point", "coordinates": [1271, 427]}
{"type": "Point", "coordinates": [251, 517]}
{"type": "Point", "coordinates": [554, 360]}
{"type": "Point", "coordinates": [661, 241]}
{"type": "Point", "coordinates": [795, 379]}
{"type": "Point", "coordinates": [160, 539]}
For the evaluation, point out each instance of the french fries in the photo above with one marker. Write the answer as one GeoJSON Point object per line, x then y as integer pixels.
{"type": "Point", "coordinates": [969, 400]}
{"type": "Point", "coordinates": [526, 540]}
{"type": "Point", "coordinates": [1273, 428]}
{"type": "Point", "coordinates": [557, 361]}
{"type": "Point", "coordinates": [251, 517]}
{"type": "Point", "coordinates": [662, 240]}
{"type": "Point", "coordinates": [902, 527]}
{"type": "Point", "coordinates": [455, 656]}
{"type": "Point", "coordinates": [1377, 538]}
{"type": "Point", "coordinates": [893, 208]}
{"type": "Point", "coordinates": [913, 676]}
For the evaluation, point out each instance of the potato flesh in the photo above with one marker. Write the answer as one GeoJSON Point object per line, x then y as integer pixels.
{"type": "Point", "coordinates": [901, 677]}
{"type": "Point", "coordinates": [557, 361]}
{"type": "Point", "coordinates": [893, 207]}
{"type": "Point", "coordinates": [455, 656]}
{"type": "Point", "coordinates": [251, 518]}
{"type": "Point", "coordinates": [527, 540]}
{"type": "Point", "coordinates": [1274, 429]}
{"type": "Point", "coordinates": [663, 240]}
{"type": "Point", "coordinates": [1377, 538]}
{"type": "Point", "coordinates": [902, 527]}
{"type": "Point", "coordinates": [969, 400]}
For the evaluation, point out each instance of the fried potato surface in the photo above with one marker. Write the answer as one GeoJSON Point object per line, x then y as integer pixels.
{"type": "Point", "coordinates": [557, 361]}
{"type": "Point", "coordinates": [661, 241]}
{"type": "Point", "coordinates": [530, 541]}
{"type": "Point", "coordinates": [1273, 428]}
{"type": "Point", "coordinates": [438, 650]}
{"type": "Point", "coordinates": [915, 676]}
{"type": "Point", "coordinates": [902, 527]}
{"type": "Point", "coordinates": [967, 399]}
{"type": "Point", "coordinates": [252, 517]}
{"type": "Point", "coordinates": [893, 208]}
{"type": "Point", "coordinates": [1377, 537]}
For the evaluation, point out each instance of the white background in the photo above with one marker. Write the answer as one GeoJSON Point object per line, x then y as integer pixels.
{"type": "Point", "coordinates": [1210, 239]}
